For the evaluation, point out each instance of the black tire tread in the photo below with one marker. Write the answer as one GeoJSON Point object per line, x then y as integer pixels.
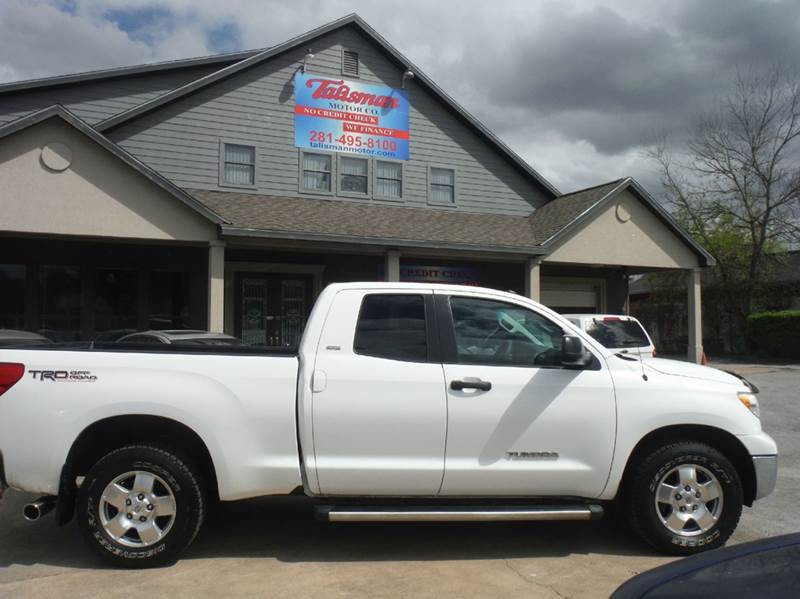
{"type": "Point", "coordinates": [636, 508]}
{"type": "Point", "coordinates": [179, 464]}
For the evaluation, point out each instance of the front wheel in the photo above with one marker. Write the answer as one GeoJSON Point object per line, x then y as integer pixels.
{"type": "Point", "coordinates": [140, 506]}
{"type": "Point", "coordinates": [685, 498]}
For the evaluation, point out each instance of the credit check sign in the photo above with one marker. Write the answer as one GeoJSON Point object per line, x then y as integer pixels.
{"type": "Point", "coordinates": [338, 115]}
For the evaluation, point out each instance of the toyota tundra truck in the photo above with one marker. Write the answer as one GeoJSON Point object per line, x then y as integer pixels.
{"type": "Point", "coordinates": [403, 402]}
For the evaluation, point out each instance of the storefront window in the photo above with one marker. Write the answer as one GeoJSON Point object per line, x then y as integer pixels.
{"type": "Point", "coordinates": [60, 303]}
{"type": "Point", "coordinates": [12, 297]}
{"type": "Point", "coordinates": [168, 301]}
{"type": "Point", "coordinates": [116, 300]}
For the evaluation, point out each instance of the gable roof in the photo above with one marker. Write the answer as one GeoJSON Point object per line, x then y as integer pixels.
{"type": "Point", "coordinates": [357, 22]}
{"type": "Point", "coordinates": [129, 71]}
{"type": "Point", "coordinates": [58, 111]}
{"type": "Point", "coordinates": [554, 221]}
{"type": "Point", "coordinates": [553, 217]}
{"type": "Point", "coordinates": [255, 215]}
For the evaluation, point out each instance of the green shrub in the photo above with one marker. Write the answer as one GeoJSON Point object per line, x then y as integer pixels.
{"type": "Point", "coordinates": [775, 334]}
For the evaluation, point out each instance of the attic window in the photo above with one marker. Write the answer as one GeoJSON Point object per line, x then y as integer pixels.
{"type": "Point", "coordinates": [350, 63]}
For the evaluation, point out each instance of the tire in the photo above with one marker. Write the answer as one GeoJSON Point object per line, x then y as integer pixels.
{"type": "Point", "coordinates": [114, 505]}
{"type": "Point", "coordinates": [669, 524]}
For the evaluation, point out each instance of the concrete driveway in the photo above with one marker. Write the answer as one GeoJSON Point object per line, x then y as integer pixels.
{"type": "Point", "coordinates": [269, 548]}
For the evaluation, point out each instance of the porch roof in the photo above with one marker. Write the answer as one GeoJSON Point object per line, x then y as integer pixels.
{"type": "Point", "coordinates": [543, 232]}
{"type": "Point", "coordinates": [328, 220]}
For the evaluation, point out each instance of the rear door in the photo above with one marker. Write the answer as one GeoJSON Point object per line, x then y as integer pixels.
{"type": "Point", "coordinates": [518, 422]}
{"type": "Point", "coordinates": [379, 405]}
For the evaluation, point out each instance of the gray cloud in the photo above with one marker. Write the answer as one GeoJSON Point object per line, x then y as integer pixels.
{"type": "Point", "coordinates": [578, 89]}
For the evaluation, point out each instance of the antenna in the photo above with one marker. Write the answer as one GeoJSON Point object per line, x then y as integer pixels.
{"type": "Point", "coordinates": [641, 363]}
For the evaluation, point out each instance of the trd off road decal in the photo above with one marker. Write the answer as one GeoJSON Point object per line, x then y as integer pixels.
{"type": "Point", "coordinates": [64, 376]}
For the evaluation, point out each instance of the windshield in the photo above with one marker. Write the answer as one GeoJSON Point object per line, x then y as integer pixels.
{"type": "Point", "coordinates": [618, 333]}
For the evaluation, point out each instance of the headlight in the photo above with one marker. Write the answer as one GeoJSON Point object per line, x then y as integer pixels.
{"type": "Point", "coordinates": [750, 402]}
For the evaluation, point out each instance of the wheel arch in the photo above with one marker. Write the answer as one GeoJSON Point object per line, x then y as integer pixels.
{"type": "Point", "coordinates": [108, 434]}
{"type": "Point", "coordinates": [723, 441]}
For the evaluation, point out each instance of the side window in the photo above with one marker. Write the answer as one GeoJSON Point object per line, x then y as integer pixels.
{"type": "Point", "coordinates": [315, 172]}
{"type": "Point", "coordinates": [353, 175]}
{"type": "Point", "coordinates": [239, 165]}
{"type": "Point", "coordinates": [501, 334]}
{"type": "Point", "coordinates": [392, 326]}
{"type": "Point", "coordinates": [442, 186]}
{"type": "Point", "coordinates": [388, 180]}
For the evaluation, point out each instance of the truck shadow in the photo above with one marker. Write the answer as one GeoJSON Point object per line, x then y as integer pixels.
{"type": "Point", "coordinates": [286, 530]}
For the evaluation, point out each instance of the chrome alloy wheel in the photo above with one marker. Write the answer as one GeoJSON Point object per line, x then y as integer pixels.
{"type": "Point", "coordinates": [689, 500]}
{"type": "Point", "coordinates": [137, 509]}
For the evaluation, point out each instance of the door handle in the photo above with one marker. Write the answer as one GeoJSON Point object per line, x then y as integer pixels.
{"type": "Point", "coordinates": [480, 385]}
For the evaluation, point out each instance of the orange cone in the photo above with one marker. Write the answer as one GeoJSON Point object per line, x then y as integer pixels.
{"type": "Point", "coordinates": [703, 359]}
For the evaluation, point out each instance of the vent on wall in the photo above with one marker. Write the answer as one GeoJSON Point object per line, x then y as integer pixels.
{"type": "Point", "coordinates": [350, 63]}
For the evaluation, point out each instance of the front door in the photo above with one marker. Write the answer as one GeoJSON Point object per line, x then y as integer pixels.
{"type": "Point", "coordinates": [519, 423]}
{"type": "Point", "coordinates": [271, 309]}
{"type": "Point", "coordinates": [379, 404]}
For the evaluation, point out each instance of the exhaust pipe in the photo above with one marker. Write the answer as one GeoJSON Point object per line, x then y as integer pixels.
{"type": "Point", "coordinates": [40, 507]}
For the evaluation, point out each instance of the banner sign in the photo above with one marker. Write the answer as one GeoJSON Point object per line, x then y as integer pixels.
{"type": "Point", "coordinates": [455, 275]}
{"type": "Point", "coordinates": [350, 116]}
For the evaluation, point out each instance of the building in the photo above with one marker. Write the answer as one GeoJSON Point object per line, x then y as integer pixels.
{"type": "Point", "coordinates": [653, 301]}
{"type": "Point", "coordinates": [224, 192]}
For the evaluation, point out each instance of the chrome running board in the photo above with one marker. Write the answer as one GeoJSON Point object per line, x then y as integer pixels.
{"type": "Point", "coordinates": [458, 514]}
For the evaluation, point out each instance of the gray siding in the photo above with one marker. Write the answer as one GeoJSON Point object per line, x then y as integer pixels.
{"type": "Point", "coordinates": [181, 139]}
{"type": "Point", "coordinates": [94, 101]}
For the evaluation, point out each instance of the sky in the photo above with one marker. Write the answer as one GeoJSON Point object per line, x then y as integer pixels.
{"type": "Point", "coordinates": [580, 89]}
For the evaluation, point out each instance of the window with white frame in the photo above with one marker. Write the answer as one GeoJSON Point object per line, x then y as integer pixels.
{"type": "Point", "coordinates": [239, 165]}
{"type": "Point", "coordinates": [442, 185]}
{"type": "Point", "coordinates": [353, 175]}
{"type": "Point", "coordinates": [317, 171]}
{"type": "Point", "coordinates": [388, 180]}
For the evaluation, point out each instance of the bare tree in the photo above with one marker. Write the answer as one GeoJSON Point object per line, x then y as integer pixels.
{"type": "Point", "coordinates": [736, 185]}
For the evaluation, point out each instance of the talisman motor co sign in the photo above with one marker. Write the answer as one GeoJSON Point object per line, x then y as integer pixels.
{"type": "Point", "coordinates": [337, 115]}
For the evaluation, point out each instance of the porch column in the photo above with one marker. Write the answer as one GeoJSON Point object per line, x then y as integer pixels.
{"type": "Point", "coordinates": [533, 285]}
{"type": "Point", "coordinates": [216, 286]}
{"type": "Point", "coordinates": [392, 269]}
{"type": "Point", "coordinates": [695, 319]}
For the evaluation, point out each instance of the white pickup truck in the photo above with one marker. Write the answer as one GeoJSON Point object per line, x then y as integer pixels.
{"type": "Point", "coordinates": [404, 402]}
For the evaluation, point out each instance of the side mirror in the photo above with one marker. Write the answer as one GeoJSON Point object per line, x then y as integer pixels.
{"type": "Point", "coordinates": [573, 353]}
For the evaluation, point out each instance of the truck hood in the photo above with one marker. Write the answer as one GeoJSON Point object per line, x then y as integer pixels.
{"type": "Point", "coordinates": [693, 371]}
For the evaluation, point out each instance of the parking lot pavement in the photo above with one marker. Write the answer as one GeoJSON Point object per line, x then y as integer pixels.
{"type": "Point", "coordinates": [271, 548]}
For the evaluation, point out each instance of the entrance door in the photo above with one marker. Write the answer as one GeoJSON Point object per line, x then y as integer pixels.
{"type": "Point", "coordinates": [518, 423]}
{"type": "Point", "coordinates": [271, 309]}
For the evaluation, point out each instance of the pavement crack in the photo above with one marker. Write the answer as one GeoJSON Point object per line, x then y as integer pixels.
{"type": "Point", "coordinates": [533, 582]}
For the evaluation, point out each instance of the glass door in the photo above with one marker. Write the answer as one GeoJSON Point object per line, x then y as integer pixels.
{"type": "Point", "coordinates": [271, 309]}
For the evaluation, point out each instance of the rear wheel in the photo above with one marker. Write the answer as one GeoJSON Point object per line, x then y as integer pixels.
{"type": "Point", "coordinates": [140, 506]}
{"type": "Point", "coordinates": [685, 498]}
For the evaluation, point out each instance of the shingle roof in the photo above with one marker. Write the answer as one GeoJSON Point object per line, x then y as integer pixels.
{"type": "Point", "coordinates": [368, 223]}
{"type": "Point", "coordinates": [560, 212]}
{"type": "Point", "coordinates": [383, 224]}
{"type": "Point", "coordinates": [559, 218]}
{"type": "Point", "coordinates": [128, 71]}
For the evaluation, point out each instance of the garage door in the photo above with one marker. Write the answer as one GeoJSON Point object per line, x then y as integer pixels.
{"type": "Point", "coordinates": [572, 296]}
